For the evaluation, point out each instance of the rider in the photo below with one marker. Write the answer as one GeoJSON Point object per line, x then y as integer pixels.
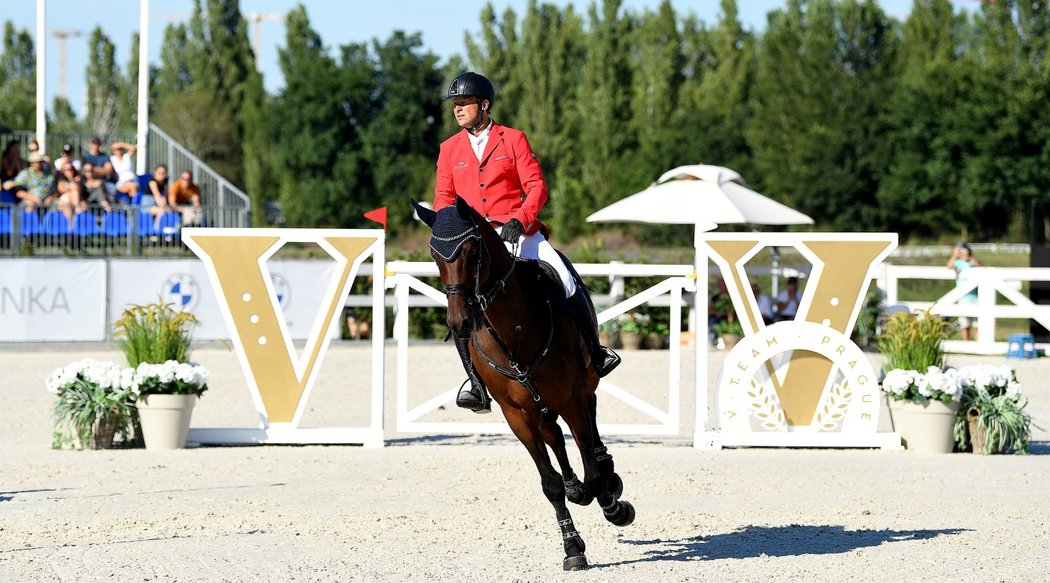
{"type": "Point", "coordinates": [492, 168]}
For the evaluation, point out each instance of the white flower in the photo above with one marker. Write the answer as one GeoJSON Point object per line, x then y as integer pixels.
{"type": "Point", "coordinates": [933, 384]}
{"type": "Point", "coordinates": [168, 373]}
{"type": "Point", "coordinates": [103, 374]}
{"type": "Point", "coordinates": [990, 379]}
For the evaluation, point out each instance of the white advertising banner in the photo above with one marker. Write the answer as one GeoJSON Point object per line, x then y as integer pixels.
{"type": "Point", "coordinates": [52, 300]}
{"type": "Point", "coordinates": [299, 285]}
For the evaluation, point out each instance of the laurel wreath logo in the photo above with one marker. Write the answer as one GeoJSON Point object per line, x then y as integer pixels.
{"type": "Point", "coordinates": [831, 413]}
{"type": "Point", "coordinates": [766, 407]}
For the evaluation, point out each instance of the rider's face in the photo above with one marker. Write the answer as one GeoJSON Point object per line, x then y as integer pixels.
{"type": "Point", "coordinates": [466, 110]}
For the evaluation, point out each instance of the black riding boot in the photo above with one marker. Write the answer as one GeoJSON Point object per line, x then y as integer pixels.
{"type": "Point", "coordinates": [603, 359]}
{"type": "Point", "coordinates": [474, 397]}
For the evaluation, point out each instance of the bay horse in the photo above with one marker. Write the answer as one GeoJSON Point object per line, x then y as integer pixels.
{"type": "Point", "coordinates": [531, 357]}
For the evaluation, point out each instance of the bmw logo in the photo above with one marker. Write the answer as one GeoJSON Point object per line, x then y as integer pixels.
{"type": "Point", "coordinates": [282, 289]}
{"type": "Point", "coordinates": [182, 290]}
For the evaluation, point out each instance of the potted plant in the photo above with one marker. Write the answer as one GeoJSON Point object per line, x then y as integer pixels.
{"type": "Point", "coordinates": [658, 332]}
{"type": "Point", "coordinates": [607, 332]}
{"type": "Point", "coordinates": [730, 331]}
{"type": "Point", "coordinates": [991, 416]}
{"type": "Point", "coordinates": [923, 396]}
{"type": "Point", "coordinates": [93, 404]}
{"type": "Point", "coordinates": [155, 339]}
{"type": "Point", "coordinates": [165, 395]}
{"type": "Point", "coordinates": [630, 331]}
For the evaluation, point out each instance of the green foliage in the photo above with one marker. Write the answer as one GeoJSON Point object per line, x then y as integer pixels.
{"type": "Point", "coordinates": [154, 333]}
{"type": "Point", "coordinates": [992, 405]}
{"type": "Point", "coordinates": [868, 319]}
{"type": "Point", "coordinates": [106, 113]}
{"type": "Point", "coordinates": [17, 79]}
{"type": "Point", "coordinates": [83, 407]}
{"type": "Point", "coordinates": [1006, 425]}
{"type": "Point", "coordinates": [728, 328]}
{"type": "Point", "coordinates": [913, 341]}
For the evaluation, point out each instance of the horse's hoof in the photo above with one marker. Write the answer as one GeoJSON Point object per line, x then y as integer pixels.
{"type": "Point", "coordinates": [577, 493]}
{"type": "Point", "coordinates": [615, 486]}
{"type": "Point", "coordinates": [621, 515]}
{"type": "Point", "coordinates": [575, 563]}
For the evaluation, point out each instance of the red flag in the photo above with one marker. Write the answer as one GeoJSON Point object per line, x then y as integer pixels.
{"type": "Point", "coordinates": [378, 215]}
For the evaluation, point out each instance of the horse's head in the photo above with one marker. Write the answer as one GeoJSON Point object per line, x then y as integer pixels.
{"type": "Point", "coordinates": [463, 245]}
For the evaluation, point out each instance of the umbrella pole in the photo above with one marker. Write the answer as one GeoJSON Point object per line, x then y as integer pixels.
{"type": "Point", "coordinates": [701, 346]}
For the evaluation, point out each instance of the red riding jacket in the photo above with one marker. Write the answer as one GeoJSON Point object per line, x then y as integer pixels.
{"type": "Point", "coordinates": [507, 184]}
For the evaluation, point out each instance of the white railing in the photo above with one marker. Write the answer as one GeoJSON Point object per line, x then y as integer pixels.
{"type": "Point", "coordinates": [404, 278]}
{"type": "Point", "coordinates": [990, 282]}
{"type": "Point", "coordinates": [215, 190]}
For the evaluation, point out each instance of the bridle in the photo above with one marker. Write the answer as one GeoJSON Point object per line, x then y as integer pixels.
{"type": "Point", "coordinates": [471, 292]}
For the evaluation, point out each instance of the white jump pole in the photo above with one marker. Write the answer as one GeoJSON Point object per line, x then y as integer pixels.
{"type": "Point", "coordinates": [143, 115]}
{"type": "Point", "coordinates": [41, 74]}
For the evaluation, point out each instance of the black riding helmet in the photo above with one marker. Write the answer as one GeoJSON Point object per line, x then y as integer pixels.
{"type": "Point", "coordinates": [471, 84]}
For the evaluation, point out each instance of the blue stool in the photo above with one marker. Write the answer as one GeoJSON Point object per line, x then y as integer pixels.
{"type": "Point", "coordinates": [1021, 346]}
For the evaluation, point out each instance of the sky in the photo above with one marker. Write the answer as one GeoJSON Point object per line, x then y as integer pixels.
{"type": "Point", "coordinates": [339, 22]}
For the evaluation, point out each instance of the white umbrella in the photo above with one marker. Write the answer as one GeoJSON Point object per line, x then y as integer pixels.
{"type": "Point", "coordinates": [700, 195]}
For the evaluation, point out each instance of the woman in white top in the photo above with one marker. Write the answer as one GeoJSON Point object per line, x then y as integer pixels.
{"type": "Point", "coordinates": [127, 180]}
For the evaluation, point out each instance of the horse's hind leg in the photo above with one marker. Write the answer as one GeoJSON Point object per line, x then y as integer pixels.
{"type": "Point", "coordinates": [531, 436]}
{"type": "Point", "coordinates": [575, 490]}
{"type": "Point", "coordinates": [599, 471]}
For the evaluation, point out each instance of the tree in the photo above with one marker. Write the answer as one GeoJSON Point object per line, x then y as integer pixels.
{"type": "Point", "coordinates": [104, 83]}
{"type": "Point", "coordinates": [63, 118]}
{"type": "Point", "coordinates": [17, 79]}
{"type": "Point", "coordinates": [604, 112]}
{"type": "Point", "coordinates": [817, 109]}
{"type": "Point", "coordinates": [656, 65]}
{"type": "Point", "coordinates": [926, 145]}
{"type": "Point", "coordinates": [401, 141]}
{"type": "Point", "coordinates": [315, 117]}
{"type": "Point", "coordinates": [713, 108]}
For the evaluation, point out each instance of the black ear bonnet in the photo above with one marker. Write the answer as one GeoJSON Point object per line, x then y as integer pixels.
{"type": "Point", "coordinates": [451, 231]}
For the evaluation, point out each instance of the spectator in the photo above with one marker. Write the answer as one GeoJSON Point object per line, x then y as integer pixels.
{"type": "Point", "coordinates": [100, 164]}
{"type": "Point", "coordinates": [157, 197]}
{"type": "Point", "coordinates": [765, 304]}
{"type": "Point", "coordinates": [718, 308]}
{"type": "Point", "coordinates": [34, 146]}
{"type": "Point", "coordinates": [357, 329]}
{"type": "Point", "coordinates": [93, 189]}
{"type": "Point", "coordinates": [10, 165]}
{"type": "Point", "coordinates": [787, 301]}
{"type": "Point", "coordinates": [33, 184]}
{"type": "Point", "coordinates": [185, 196]}
{"type": "Point", "coordinates": [67, 194]}
{"type": "Point", "coordinates": [66, 158]}
{"type": "Point", "coordinates": [962, 259]}
{"type": "Point", "coordinates": [127, 180]}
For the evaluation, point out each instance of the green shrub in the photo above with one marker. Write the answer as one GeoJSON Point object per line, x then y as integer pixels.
{"type": "Point", "coordinates": [154, 333]}
{"type": "Point", "coordinates": [913, 341]}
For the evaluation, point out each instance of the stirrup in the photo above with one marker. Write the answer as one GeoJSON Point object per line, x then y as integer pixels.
{"type": "Point", "coordinates": [474, 398]}
{"type": "Point", "coordinates": [607, 361]}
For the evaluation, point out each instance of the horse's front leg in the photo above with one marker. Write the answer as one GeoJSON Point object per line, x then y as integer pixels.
{"type": "Point", "coordinates": [575, 490]}
{"type": "Point", "coordinates": [527, 429]}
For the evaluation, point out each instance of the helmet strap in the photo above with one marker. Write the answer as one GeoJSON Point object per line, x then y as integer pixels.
{"type": "Point", "coordinates": [480, 124]}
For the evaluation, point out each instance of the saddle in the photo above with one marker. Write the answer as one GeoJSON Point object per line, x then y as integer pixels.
{"type": "Point", "coordinates": [547, 281]}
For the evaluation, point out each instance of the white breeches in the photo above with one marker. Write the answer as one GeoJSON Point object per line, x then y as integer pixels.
{"type": "Point", "coordinates": [535, 246]}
